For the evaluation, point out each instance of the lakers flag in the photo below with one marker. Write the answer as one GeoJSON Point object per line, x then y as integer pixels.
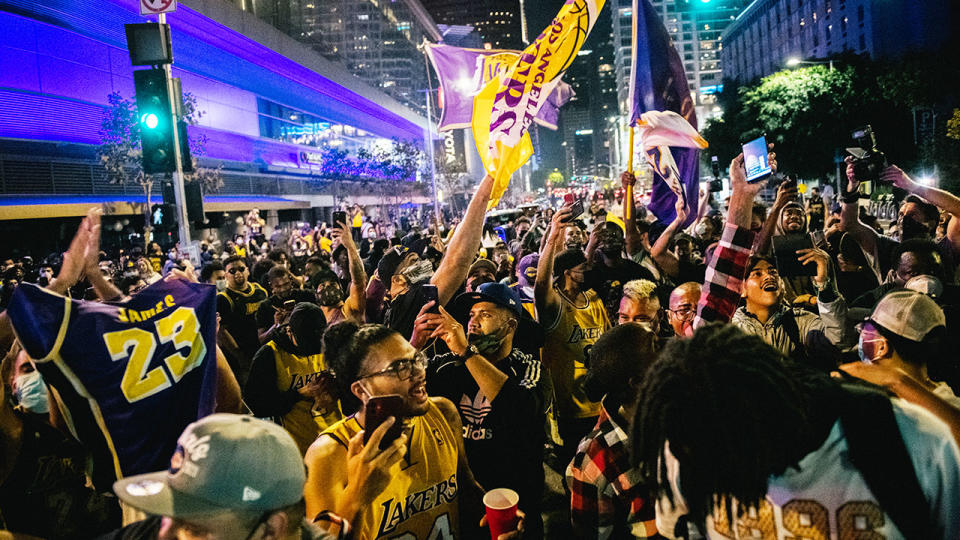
{"type": "Point", "coordinates": [509, 103]}
{"type": "Point", "coordinates": [658, 83]}
{"type": "Point", "coordinates": [464, 72]}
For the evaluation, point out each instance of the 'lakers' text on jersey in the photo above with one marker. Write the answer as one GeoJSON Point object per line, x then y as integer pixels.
{"type": "Point", "coordinates": [565, 352]}
{"type": "Point", "coordinates": [421, 500]}
{"type": "Point", "coordinates": [130, 376]}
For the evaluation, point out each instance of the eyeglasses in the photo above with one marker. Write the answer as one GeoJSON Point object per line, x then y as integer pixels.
{"type": "Point", "coordinates": [235, 269]}
{"type": "Point", "coordinates": [683, 311]}
{"type": "Point", "coordinates": [403, 368]}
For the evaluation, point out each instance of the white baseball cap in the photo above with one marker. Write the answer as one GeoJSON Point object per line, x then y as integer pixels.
{"type": "Point", "coordinates": [908, 314]}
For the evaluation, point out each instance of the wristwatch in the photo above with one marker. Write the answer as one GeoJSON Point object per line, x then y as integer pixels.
{"type": "Point", "coordinates": [471, 351]}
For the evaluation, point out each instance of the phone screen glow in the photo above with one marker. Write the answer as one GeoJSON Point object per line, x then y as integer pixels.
{"type": "Point", "coordinates": [756, 161]}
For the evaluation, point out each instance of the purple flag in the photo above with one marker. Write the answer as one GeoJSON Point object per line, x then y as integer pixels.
{"type": "Point", "coordinates": [463, 72]}
{"type": "Point", "coordinates": [658, 83]}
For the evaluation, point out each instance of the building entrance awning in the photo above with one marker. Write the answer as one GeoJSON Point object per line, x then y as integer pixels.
{"type": "Point", "coordinates": [58, 206]}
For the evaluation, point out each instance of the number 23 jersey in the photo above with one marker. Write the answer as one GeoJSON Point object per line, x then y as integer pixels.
{"type": "Point", "coordinates": [132, 375]}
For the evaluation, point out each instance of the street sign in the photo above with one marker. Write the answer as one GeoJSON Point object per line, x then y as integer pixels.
{"type": "Point", "coordinates": [153, 7]}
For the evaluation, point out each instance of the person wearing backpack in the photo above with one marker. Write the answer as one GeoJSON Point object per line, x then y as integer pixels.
{"type": "Point", "coordinates": [741, 442]}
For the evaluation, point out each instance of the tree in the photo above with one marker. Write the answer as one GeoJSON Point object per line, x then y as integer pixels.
{"type": "Point", "coordinates": [120, 150]}
{"type": "Point", "coordinates": [810, 112]}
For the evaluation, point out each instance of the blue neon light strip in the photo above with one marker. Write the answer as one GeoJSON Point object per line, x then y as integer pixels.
{"type": "Point", "coordinates": [29, 200]}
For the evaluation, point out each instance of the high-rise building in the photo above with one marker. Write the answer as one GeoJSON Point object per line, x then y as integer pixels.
{"type": "Point", "coordinates": [499, 22]}
{"type": "Point", "coordinates": [585, 120]}
{"type": "Point", "coordinates": [695, 28]}
{"type": "Point", "coordinates": [770, 32]}
{"type": "Point", "coordinates": [376, 41]}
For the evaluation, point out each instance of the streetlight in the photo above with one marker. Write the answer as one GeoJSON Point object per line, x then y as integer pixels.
{"type": "Point", "coordinates": [792, 62]}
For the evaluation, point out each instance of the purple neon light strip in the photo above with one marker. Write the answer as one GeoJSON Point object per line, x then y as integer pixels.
{"type": "Point", "coordinates": [30, 200]}
{"type": "Point", "coordinates": [196, 25]}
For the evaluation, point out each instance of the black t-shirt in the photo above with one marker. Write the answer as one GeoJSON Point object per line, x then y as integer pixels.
{"type": "Point", "coordinates": [45, 493]}
{"type": "Point", "coordinates": [503, 438]}
{"type": "Point", "coordinates": [238, 315]}
{"type": "Point", "coordinates": [403, 310]}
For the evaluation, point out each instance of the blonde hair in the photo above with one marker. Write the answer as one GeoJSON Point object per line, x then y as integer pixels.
{"type": "Point", "coordinates": [640, 289]}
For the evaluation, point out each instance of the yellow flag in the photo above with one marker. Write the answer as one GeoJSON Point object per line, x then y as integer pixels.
{"type": "Point", "coordinates": [508, 104]}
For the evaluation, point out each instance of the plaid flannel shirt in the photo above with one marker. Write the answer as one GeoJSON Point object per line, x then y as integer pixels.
{"type": "Point", "coordinates": [724, 276]}
{"type": "Point", "coordinates": [607, 499]}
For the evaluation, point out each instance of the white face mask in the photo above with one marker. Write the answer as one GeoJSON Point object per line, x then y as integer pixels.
{"type": "Point", "coordinates": [221, 284]}
{"type": "Point", "coordinates": [31, 393]}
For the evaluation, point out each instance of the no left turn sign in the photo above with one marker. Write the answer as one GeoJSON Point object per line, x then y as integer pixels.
{"type": "Point", "coordinates": [153, 7]}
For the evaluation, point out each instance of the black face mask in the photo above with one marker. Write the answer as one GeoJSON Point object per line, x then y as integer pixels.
{"type": "Point", "coordinates": [330, 296]}
{"type": "Point", "coordinates": [488, 343]}
{"type": "Point", "coordinates": [911, 228]}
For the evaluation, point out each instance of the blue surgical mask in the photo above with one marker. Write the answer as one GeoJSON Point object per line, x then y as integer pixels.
{"type": "Point", "coordinates": [863, 356]}
{"type": "Point", "coordinates": [31, 393]}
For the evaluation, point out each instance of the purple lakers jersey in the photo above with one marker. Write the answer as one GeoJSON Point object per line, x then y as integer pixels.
{"type": "Point", "coordinates": [130, 375]}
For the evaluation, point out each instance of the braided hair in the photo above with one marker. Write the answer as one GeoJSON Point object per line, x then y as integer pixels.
{"type": "Point", "coordinates": [733, 412]}
{"type": "Point", "coordinates": [345, 347]}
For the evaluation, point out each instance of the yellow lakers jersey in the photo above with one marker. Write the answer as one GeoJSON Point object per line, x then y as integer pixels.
{"type": "Point", "coordinates": [564, 353]}
{"type": "Point", "coordinates": [304, 421]}
{"type": "Point", "coordinates": [421, 500]}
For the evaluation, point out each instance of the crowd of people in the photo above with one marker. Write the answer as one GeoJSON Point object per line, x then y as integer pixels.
{"type": "Point", "coordinates": [750, 371]}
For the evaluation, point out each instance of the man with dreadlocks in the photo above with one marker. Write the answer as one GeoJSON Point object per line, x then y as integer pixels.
{"type": "Point", "coordinates": [747, 444]}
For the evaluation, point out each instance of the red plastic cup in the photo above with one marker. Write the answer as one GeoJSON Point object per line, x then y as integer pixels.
{"type": "Point", "coordinates": [501, 506]}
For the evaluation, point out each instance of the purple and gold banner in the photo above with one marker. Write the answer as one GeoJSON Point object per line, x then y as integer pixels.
{"type": "Point", "coordinates": [464, 72]}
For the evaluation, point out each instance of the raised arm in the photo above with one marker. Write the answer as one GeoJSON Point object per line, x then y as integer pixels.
{"type": "Point", "coordinates": [721, 286]}
{"type": "Point", "coordinates": [660, 251]}
{"type": "Point", "coordinates": [786, 192]}
{"type": "Point", "coordinates": [633, 240]}
{"type": "Point", "coordinates": [104, 289]}
{"type": "Point", "coordinates": [546, 298]}
{"type": "Point", "coordinates": [356, 305]}
{"type": "Point", "coordinates": [942, 199]}
{"type": "Point", "coordinates": [464, 245]}
{"type": "Point", "coordinates": [850, 214]}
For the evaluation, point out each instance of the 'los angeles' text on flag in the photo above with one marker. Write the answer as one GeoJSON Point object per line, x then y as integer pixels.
{"type": "Point", "coordinates": [509, 103]}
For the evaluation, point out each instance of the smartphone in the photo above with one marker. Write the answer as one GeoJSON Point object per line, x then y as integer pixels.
{"type": "Point", "coordinates": [819, 239]}
{"type": "Point", "coordinates": [785, 253]}
{"type": "Point", "coordinates": [339, 216]}
{"type": "Point", "coordinates": [376, 411]}
{"type": "Point", "coordinates": [576, 209]}
{"type": "Point", "coordinates": [756, 160]}
{"type": "Point", "coordinates": [430, 293]}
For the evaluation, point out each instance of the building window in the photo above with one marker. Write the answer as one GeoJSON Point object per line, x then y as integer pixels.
{"type": "Point", "coordinates": [860, 13]}
{"type": "Point", "coordinates": [863, 43]}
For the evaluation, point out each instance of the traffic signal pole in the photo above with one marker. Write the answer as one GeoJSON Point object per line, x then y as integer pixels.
{"type": "Point", "coordinates": [180, 198]}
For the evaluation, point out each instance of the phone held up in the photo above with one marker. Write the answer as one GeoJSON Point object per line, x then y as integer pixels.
{"type": "Point", "coordinates": [756, 160]}
{"type": "Point", "coordinates": [339, 217]}
{"type": "Point", "coordinates": [376, 411]}
{"type": "Point", "coordinates": [430, 293]}
{"type": "Point", "coordinates": [576, 207]}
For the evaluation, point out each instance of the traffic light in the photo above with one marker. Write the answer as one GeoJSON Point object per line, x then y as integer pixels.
{"type": "Point", "coordinates": [155, 121]}
{"type": "Point", "coordinates": [163, 217]}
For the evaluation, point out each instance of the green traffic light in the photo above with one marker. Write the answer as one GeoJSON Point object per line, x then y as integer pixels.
{"type": "Point", "coordinates": [150, 120]}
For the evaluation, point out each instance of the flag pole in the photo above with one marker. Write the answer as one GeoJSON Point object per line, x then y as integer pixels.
{"type": "Point", "coordinates": [628, 193]}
